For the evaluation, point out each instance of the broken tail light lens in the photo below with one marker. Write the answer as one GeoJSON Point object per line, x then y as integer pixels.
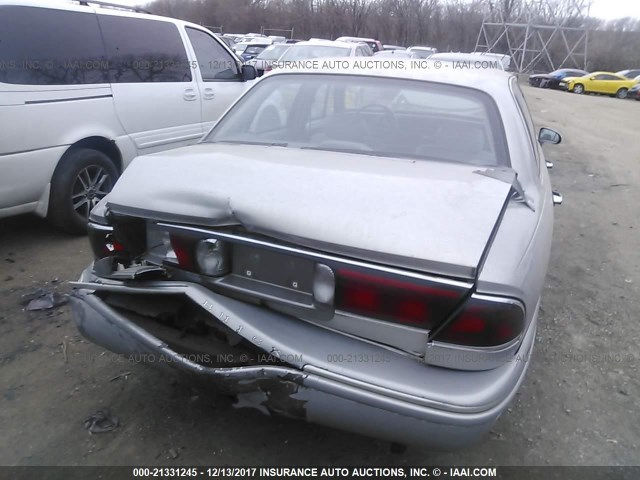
{"type": "Point", "coordinates": [418, 304]}
{"type": "Point", "coordinates": [102, 241]}
{"type": "Point", "coordinates": [212, 257]}
{"type": "Point", "coordinates": [183, 248]}
{"type": "Point", "coordinates": [484, 322]}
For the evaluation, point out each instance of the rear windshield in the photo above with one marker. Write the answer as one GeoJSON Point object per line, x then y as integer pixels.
{"type": "Point", "coordinates": [273, 53]}
{"type": "Point", "coordinates": [369, 116]}
{"type": "Point", "coordinates": [254, 50]}
{"type": "Point", "coordinates": [423, 53]}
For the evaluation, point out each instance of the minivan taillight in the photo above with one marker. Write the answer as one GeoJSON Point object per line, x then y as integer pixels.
{"type": "Point", "coordinates": [484, 321]}
{"type": "Point", "coordinates": [418, 303]}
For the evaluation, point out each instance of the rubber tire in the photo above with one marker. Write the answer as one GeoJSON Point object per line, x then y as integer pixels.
{"type": "Point", "coordinates": [622, 90]}
{"type": "Point", "coordinates": [61, 212]}
{"type": "Point", "coordinates": [575, 86]}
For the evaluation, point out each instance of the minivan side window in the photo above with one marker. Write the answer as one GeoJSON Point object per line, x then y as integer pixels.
{"type": "Point", "coordinates": [44, 46]}
{"type": "Point", "coordinates": [141, 50]}
{"type": "Point", "coordinates": [215, 62]}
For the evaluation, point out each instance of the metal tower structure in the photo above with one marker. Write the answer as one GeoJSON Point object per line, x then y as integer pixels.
{"type": "Point", "coordinates": [539, 35]}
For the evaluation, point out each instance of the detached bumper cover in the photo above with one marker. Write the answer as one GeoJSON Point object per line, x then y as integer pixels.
{"type": "Point", "coordinates": [325, 378]}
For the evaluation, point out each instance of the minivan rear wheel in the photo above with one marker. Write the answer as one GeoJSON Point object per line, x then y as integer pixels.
{"type": "Point", "coordinates": [82, 179]}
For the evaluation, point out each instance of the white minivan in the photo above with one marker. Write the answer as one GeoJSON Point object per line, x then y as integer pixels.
{"type": "Point", "coordinates": [85, 87]}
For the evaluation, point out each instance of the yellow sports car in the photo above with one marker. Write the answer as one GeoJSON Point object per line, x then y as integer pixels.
{"type": "Point", "coordinates": [599, 82]}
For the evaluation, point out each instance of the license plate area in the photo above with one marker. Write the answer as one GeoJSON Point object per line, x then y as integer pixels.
{"type": "Point", "coordinates": [273, 268]}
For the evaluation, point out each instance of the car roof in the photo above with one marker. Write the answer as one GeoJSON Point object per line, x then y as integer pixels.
{"type": "Point", "coordinates": [457, 55]}
{"type": "Point", "coordinates": [328, 43]}
{"type": "Point", "coordinates": [93, 7]}
{"type": "Point", "coordinates": [355, 39]}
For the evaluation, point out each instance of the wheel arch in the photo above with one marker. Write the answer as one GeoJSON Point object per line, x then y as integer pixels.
{"type": "Point", "coordinates": [101, 144]}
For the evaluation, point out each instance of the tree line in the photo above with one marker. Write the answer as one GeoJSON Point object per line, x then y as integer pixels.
{"type": "Point", "coordinates": [449, 25]}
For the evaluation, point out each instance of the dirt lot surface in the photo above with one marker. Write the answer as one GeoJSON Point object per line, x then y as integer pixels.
{"type": "Point", "coordinates": [579, 404]}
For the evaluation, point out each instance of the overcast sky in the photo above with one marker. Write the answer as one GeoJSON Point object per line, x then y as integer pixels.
{"type": "Point", "coordinates": [599, 8]}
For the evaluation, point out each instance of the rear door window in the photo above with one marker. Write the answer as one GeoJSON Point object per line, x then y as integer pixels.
{"type": "Point", "coordinates": [43, 46]}
{"type": "Point", "coordinates": [141, 50]}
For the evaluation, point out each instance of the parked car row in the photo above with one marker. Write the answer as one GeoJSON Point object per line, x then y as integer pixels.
{"type": "Point", "coordinates": [622, 84]}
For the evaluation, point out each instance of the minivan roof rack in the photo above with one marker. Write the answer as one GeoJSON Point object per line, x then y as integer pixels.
{"type": "Point", "coordinates": [113, 5]}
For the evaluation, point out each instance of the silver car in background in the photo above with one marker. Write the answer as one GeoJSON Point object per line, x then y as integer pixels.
{"type": "Point", "coordinates": [324, 49]}
{"type": "Point", "coordinates": [268, 57]}
{"type": "Point", "coordinates": [422, 52]}
{"type": "Point", "coordinates": [371, 259]}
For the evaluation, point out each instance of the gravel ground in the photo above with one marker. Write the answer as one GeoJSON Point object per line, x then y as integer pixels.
{"type": "Point", "coordinates": [578, 405]}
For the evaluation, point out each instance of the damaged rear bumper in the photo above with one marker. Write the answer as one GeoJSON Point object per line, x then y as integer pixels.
{"type": "Point", "coordinates": [322, 376]}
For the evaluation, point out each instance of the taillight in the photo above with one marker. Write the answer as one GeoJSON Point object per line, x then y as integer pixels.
{"type": "Point", "coordinates": [419, 304]}
{"type": "Point", "coordinates": [184, 248]}
{"type": "Point", "coordinates": [103, 243]}
{"type": "Point", "coordinates": [484, 322]}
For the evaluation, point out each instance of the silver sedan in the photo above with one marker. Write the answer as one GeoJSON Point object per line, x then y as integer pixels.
{"type": "Point", "coordinates": [359, 248]}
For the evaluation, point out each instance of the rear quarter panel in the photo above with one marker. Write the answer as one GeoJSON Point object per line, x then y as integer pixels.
{"type": "Point", "coordinates": [517, 261]}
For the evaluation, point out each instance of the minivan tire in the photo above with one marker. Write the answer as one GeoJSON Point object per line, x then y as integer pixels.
{"type": "Point", "coordinates": [83, 177]}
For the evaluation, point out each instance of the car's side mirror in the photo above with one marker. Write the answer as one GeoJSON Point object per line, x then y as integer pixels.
{"type": "Point", "coordinates": [249, 72]}
{"type": "Point", "coordinates": [548, 135]}
{"type": "Point", "coordinates": [592, 78]}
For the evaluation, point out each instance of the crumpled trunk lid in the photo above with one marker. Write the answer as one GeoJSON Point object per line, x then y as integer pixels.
{"type": "Point", "coordinates": [423, 215]}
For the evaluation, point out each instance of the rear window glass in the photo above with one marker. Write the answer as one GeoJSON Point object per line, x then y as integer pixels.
{"type": "Point", "coordinates": [370, 116]}
{"type": "Point", "coordinates": [42, 46]}
{"type": "Point", "coordinates": [273, 52]}
{"type": "Point", "coordinates": [140, 50]}
{"type": "Point", "coordinates": [253, 50]}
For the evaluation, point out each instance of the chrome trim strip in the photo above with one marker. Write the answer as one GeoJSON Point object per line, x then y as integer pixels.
{"type": "Point", "coordinates": [491, 298]}
{"type": "Point", "coordinates": [72, 99]}
{"type": "Point", "coordinates": [97, 226]}
{"type": "Point", "coordinates": [323, 257]}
